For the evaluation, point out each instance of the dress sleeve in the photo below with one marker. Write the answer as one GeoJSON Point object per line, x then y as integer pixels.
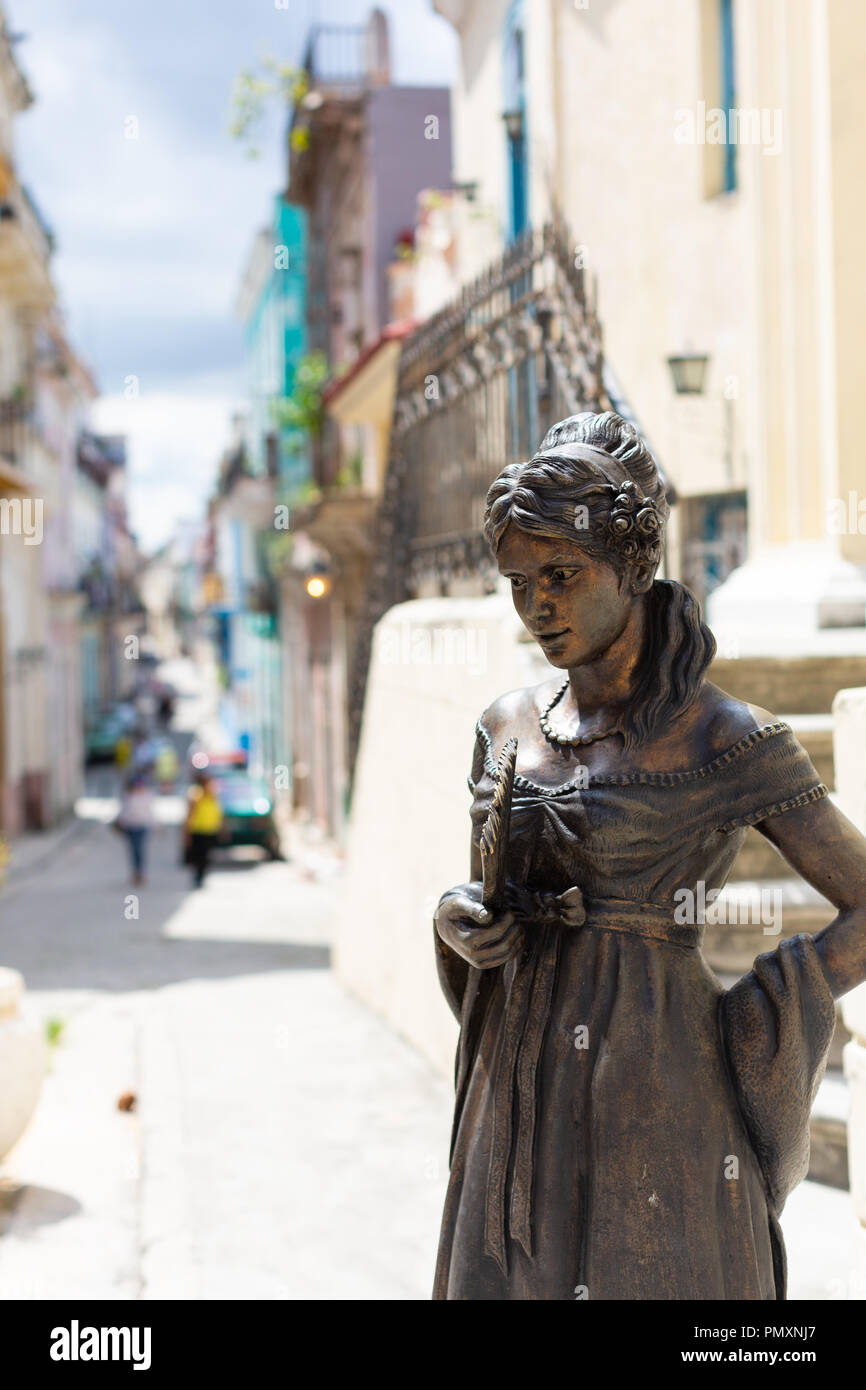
{"type": "Point", "coordinates": [777, 1023]}
{"type": "Point", "coordinates": [766, 773]}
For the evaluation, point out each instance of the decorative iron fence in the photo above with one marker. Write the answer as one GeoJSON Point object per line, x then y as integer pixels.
{"type": "Point", "coordinates": [336, 54]}
{"type": "Point", "coordinates": [478, 385]}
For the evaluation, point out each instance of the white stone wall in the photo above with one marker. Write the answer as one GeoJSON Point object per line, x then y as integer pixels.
{"type": "Point", "coordinates": [849, 710]}
{"type": "Point", "coordinates": [437, 664]}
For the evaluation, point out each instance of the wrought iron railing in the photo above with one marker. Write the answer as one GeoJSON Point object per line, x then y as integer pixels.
{"type": "Point", "coordinates": [336, 54]}
{"type": "Point", "coordinates": [478, 385]}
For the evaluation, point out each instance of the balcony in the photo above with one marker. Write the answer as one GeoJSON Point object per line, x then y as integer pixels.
{"type": "Point", "coordinates": [26, 244]}
{"type": "Point", "coordinates": [16, 444]}
{"type": "Point", "coordinates": [344, 56]}
{"type": "Point", "coordinates": [335, 56]}
{"type": "Point", "coordinates": [341, 63]}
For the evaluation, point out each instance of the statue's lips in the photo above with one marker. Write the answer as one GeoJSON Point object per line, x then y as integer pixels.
{"type": "Point", "coordinates": [547, 637]}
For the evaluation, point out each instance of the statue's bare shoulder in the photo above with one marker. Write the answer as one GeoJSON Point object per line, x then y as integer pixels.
{"type": "Point", "coordinates": [509, 712]}
{"type": "Point", "coordinates": [725, 720]}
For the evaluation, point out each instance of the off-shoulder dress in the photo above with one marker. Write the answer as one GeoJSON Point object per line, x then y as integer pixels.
{"type": "Point", "coordinates": [624, 1127]}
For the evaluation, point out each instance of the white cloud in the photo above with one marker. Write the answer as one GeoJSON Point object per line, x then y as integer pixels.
{"type": "Point", "coordinates": [174, 443]}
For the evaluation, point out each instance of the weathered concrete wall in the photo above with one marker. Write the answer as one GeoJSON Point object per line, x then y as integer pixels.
{"type": "Point", "coordinates": [437, 664]}
{"type": "Point", "coordinates": [849, 709]}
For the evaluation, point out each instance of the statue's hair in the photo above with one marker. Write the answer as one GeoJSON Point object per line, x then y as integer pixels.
{"type": "Point", "coordinates": [598, 469]}
{"type": "Point", "coordinates": [544, 495]}
{"type": "Point", "coordinates": [615, 436]}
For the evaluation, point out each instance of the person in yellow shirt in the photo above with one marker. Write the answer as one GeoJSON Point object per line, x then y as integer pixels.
{"type": "Point", "coordinates": [122, 752]}
{"type": "Point", "coordinates": [204, 818]}
{"type": "Point", "coordinates": [166, 766]}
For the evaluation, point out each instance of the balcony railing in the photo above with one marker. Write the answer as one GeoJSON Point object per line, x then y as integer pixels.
{"type": "Point", "coordinates": [349, 56]}
{"type": "Point", "coordinates": [478, 386]}
{"type": "Point", "coordinates": [26, 243]}
{"type": "Point", "coordinates": [336, 55]}
{"type": "Point", "coordinates": [15, 432]}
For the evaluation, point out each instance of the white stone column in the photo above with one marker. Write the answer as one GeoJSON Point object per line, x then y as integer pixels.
{"type": "Point", "coordinates": [807, 567]}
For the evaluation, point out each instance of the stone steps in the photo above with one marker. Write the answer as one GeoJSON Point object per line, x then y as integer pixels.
{"type": "Point", "coordinates": [788, 904]}
{"type": "Point", "coordinates": [758, 859]}
{"type": "Point", "coordinates": [828, 1161]}
{"type": "Point", "coordinates": [800, 684]}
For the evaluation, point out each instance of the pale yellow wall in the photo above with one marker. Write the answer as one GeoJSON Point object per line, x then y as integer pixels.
{"type": "Point", "coordinates": [769, 280]}
{"type": "Point", "coordinates": [478, 133]}
{"type": "Point", "coordinates": [672, 265]}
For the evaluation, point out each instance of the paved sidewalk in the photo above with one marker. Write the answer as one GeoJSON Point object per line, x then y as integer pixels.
{"type": "Point", "coordinates": [38, 847]}
{"type": "Point", "coordinates": [294, 1149]}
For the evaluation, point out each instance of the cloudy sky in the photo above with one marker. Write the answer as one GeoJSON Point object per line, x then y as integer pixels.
{"type": "Point", "coordinates": [153, 232]}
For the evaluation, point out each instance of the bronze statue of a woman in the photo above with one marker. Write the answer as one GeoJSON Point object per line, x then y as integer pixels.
{"type": "Point", "coordinates": [624, 1127]}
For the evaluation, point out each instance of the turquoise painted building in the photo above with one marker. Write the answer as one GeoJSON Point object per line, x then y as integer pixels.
{"type": "Point", "coordinates": [272, 306]}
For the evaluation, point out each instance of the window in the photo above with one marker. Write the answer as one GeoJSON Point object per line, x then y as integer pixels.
{"type": "Point", "coordinates": [729, 99]}
{"type": "Point", "coordinates": [718, 97]}
{"type": "Point", "coordinates": [515, 121]}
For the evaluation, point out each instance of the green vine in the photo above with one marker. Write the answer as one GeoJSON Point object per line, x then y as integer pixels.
{"type": "Point", "coordinates": [304, 409]}
{"type": "Point", "coordinates": [255, 88]}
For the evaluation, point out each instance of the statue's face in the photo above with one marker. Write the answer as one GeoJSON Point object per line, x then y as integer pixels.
{"type": "Point", "coordinates": [574, 605]}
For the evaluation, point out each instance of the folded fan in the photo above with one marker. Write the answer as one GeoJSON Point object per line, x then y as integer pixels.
{"type": "Point", "coordinates": [494, 834]}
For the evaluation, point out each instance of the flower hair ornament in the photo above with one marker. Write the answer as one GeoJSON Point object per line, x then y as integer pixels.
{"type": "Point", "coordinates": [635, 525]}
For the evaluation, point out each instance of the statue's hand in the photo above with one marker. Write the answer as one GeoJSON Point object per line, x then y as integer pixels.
{"type": "Point", "coordinates": [467, 927]}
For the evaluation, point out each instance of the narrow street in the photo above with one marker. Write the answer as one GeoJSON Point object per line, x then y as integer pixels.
{"type": "Point", "coordinates": [284, 1143]}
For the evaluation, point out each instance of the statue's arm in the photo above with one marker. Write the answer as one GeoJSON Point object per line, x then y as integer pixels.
{"type": "Point", "coordinates": [452, 968]}
{"type": "Point", "coordinates": [468, 934]}
{"type": "Point", "coordinates": [825, 849]}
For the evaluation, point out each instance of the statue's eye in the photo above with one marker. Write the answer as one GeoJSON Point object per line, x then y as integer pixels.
{"type": "Point", "coordinates": [517, 581]}
{"type": "Point", "coordinates": [563, 576]}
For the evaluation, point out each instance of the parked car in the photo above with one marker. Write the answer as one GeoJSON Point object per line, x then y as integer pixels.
{"type": "Point", "coordinates": [248, 813]}
{"type": "Point", "coordinates": [103, 735]}
{"type": "Point", "coordinates": [217, 764]}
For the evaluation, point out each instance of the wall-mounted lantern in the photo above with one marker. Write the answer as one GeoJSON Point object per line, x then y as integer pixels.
{"type": "Point", "coordinates": [514, 124]}
{"type": "Point", "coordinates": [688, 372]}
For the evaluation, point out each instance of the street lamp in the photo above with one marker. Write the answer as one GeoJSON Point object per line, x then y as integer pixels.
{"type": "Point", "coordinates": [514, 124]}
{"type": "Point", "coordinates": [688, 372]}
{"type": "Point", "coordinates": [318, 582]}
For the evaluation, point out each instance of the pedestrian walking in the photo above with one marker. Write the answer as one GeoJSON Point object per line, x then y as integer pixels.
{"type": "Point", "coordinates": [134, 820]}
{"type": "Point", "coordinates": [166, 766]}
{"type": "Point", "coordinates": [123, 753]}
{"type": "Point", "coordinates": [143, 754]}
{"type": "Point", "coordinates": [204, 820]}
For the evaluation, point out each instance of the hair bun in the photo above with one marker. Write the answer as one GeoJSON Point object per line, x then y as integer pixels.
{"type": "Point", "coordinates": [634, 527]}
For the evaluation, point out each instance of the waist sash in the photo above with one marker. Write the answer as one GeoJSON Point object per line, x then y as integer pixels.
{"type": "Point", "coordinates": [526, 1016]}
